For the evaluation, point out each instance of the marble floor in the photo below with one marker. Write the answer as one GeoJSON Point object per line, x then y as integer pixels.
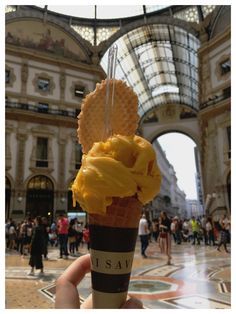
{"type": "Point", "coordinates": [199, 278]}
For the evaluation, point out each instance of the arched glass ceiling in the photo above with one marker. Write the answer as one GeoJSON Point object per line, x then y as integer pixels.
{"type": "Point", "coordinates": [103, 11]}
{"type": "Point", "coordinates": [160, 63]}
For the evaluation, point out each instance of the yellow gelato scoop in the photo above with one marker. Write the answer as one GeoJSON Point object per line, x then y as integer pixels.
{"type": "Point", "coordinates": [120, 167]}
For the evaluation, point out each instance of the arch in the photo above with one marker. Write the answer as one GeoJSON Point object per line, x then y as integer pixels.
{"type": "Point", "coordinates": [27, 180]}
{"type": "Point", "coordinates": [179, 129]}
{"type": "Point", "coordinates": [32, 15]}
{"type": "Point", "coordinates": [143, 22]}
{"type": "Point", "coordinates": [159, 61]}
{"type": "Point", "coordinates": [40, 196]}
{"type": "Point", "coordinates": [220, 20]}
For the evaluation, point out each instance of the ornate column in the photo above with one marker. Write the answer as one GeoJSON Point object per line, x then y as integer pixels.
{"type": "Point", "coordinates": [24, 79]}
{"type": "Point", "coordinates": [19, 200]}
{"type": "Point", "coordinates": [62, 86]}
{"type": "Point", "coordinates": [61, 194]}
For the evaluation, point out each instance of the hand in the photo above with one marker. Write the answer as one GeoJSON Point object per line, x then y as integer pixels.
{"type": "Point", "coordinates": [67, 296]}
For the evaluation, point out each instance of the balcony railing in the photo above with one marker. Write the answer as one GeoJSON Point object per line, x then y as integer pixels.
{"type": "Point", "coordinates": [35, 108]}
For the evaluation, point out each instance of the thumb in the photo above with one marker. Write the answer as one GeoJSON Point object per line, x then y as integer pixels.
{"type": "Point", "coordinates": [132, 303]}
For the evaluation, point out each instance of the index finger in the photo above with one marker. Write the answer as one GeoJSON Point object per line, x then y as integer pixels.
{"type": "Point", "coordinates": [67, 295]}
{"type": "Point", "coordinates": [77, 270]}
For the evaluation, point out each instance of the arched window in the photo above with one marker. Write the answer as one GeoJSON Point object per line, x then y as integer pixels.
{"type": "Point", "coordinates": [40, 183]}
{"type": "Point", "coordinates": [40, 197]}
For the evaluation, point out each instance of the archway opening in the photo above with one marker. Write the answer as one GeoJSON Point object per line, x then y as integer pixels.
{"type": "Point", "coordinates": [178, 158]}
{"type": "Point", "coordinates": [39, 197]}
{"type": "Point", "coordinates": [7, 197]}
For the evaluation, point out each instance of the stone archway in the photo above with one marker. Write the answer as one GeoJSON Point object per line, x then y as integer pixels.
{"type": "Point", "coordinates": [39, 197]}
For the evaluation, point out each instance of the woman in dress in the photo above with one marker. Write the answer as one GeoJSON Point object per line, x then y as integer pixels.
{"type": "Point", "coordinates": [165, 236]}
{"type": "Point", "coordinates": [37, 247]}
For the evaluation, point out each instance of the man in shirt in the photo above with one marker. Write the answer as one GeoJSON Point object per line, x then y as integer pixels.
{"type": "Point", "coordinates": [143, 233]}
{"type": "Point", "coordinates": [62, 231]}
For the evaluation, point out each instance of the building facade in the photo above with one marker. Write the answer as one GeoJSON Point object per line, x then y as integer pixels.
{"type": "Point", "coordinates": [171, 198]}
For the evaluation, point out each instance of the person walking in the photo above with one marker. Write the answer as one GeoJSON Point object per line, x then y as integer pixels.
{"type": "Point", "coordinates": [143, 233]}
{"type": "Point", "coordinates": [72, 237]}
{"type": "Point", "coordinates": [203, 227]}
{"type": "Point", "coordinates": [155, 229]}
{"type": "Point", "coordinates": [195, 229]}
{"type": "Point", "coordinates": [165, 236]}
{"type": "Point", "coordinates": [86, 236]}
{"type": "Point", "coordinates": [223, 236]}
{"type": "Point", "coordinates": [209, 232]}
{"type": "Point", "coordinates": [46, 230]}
{"type": "Point", "coordinates": [37, 247]}
{"type": "Point", "coordinates": [12, 236]}
{"type": "Point", "coordinates": [62, 227]}
{"type": "Point", "coordinates": [173, 228]}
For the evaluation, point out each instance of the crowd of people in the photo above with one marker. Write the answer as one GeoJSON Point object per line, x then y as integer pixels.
{"type": "Point", "coordinates": [32, 236]}
{"type": "Point", "coordinates": [195, 231]}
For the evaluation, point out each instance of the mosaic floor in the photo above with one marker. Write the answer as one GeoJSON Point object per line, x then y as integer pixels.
{"type": "Point", "coordinates": [199, 278]}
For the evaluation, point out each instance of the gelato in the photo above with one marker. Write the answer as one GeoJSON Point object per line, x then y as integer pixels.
{"type": "Point", "coordinates": [120, 167]}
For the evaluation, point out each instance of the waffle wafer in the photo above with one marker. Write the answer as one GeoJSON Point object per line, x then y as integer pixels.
{"type": "Point", "coordinates": [123, 117]}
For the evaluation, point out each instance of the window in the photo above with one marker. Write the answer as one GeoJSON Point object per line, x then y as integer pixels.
{"type": "Point", "coordinates": [78, 156]}
{"type": "Point", "coordinates": [42, 152]}
{"type": "Point", "coordinates": [7, 76]}
{"type": "Point", "coordinates": [43, 84]}
{"type": "Point", "coordinates": [225, 67]}
{"type": "Point", "coordinates": [79, 91]}
{"type": "Point", "coordinates": [42, 107]}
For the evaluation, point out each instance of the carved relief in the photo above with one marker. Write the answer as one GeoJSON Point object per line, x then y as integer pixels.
{"type": "Point", "coordinates": [168, 113]}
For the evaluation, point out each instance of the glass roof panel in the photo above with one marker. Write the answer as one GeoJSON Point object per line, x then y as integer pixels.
{"type": "Point", "coordinates": [190, 14]}
{"type": "Point", "coordinates": [207, 9]}
{"type": "Point", "coordinates": [152, 8]}
{"type": "Point", "coordinates": [103, 11]}
{"type": "Point", "coordinates": [160, 63]}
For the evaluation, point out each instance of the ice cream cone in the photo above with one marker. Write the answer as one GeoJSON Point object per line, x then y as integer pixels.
{"type": "Point", "coordinates": [113, 238]}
